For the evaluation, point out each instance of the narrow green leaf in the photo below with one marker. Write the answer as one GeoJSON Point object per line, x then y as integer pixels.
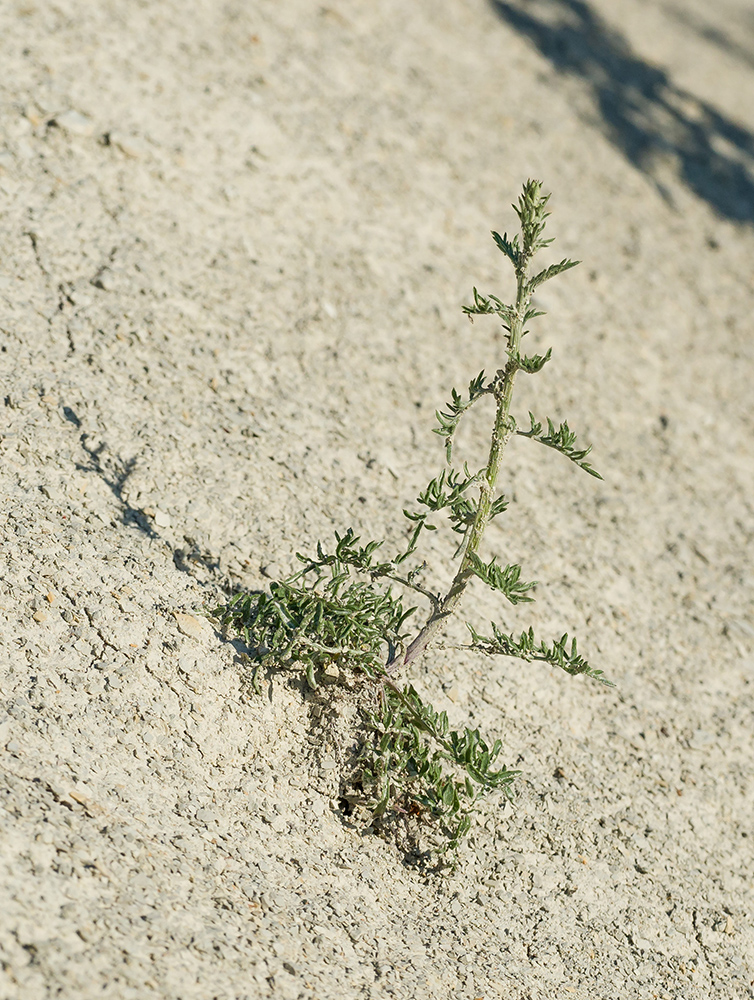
{"type": "Point", "coordinates": [550, 272]}
{"type": "Point", "coordinates": [562, 439]}
{"type": "Point", "coordinates": [510, 248]}
{"type": "Point", "coordinates": [506, 580]}
{"type": "Point", "coordinates": [535, 363]}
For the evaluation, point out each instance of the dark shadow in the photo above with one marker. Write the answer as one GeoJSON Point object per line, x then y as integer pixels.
{"type": "Point", "coordinates": [114, 472]}
{"type": "Point", "coordinates": [189, 559]}
{"type": "Point", "coordinates": [723, 40]}
{"type": "Point", "coordinates": [115, 478]}
{"type": "Point", "coordinates": [643, 113]}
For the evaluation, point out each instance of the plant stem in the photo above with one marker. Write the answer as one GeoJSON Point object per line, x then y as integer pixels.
{"type": "Point", "coordinates": [503, 429]}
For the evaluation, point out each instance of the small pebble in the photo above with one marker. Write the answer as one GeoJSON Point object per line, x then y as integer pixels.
{"type": "Point", "coordinates": [128, 144]}
{"type": "Point", "coordinates": [75, 123]}
{"type": "Point", "coordinates": [190, 626]}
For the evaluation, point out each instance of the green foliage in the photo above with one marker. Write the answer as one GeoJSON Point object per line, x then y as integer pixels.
{"type": "Point", "coordinates": [526, 648]}
{"type": "Point", "coordinates": [456, 408]}
{"type": "Point", "coordinates": [563, 440]}
{"type": "Point", "coordinates": [507, 581]}
{"type": "Point", "coordinates": [461, 509]}
{"type": "Point", "coordinates": [535, 363]}
{"type": "Point", "coordinates": [485, 306]}
{"type": "Point", "coordinates": [340, 608]}
{"type": "Point", "coordinates": [321, 616]}
{"type": "Point", "coordinates": [550, 272]}
{"type": "Point", "coordinates": [414, 758]}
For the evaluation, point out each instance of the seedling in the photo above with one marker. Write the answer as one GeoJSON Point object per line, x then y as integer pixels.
{"type": "Point", "coordinates": [341, 612]}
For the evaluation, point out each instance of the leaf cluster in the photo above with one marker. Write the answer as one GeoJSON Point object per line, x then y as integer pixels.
{"type": "Point", "coordinates": [322, 615]}
{"type": "Point", "coordinates": [415, 758]}
{"type": "Point", "coordinates": [507, 580]}
{"type": "Point", "coordinates": [532, 217]}
{"type": "Point", "coordinates": [526, 647]}
{"type": "Point", "coordinates": [486, 305]}
{"type": "Point", "coordinates": [446, 492]}
{"type": "Point", "coordinates": [535, 363]}
{"type": "Point", "coordinates": [562, 439]}
{"type": "Point", "coordinates": [449, 418]}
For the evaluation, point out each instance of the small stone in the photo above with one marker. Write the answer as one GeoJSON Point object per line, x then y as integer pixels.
{"type": "Point", "coordinates": [190, 626]}
{"type": "Point", "coordinates": [75, 123]}
{"type": "Point", "coordinates": [104, 279]}
{"type": "Point", "coordinates": [161, 519]}
{"type": "Point", "coordinates": [39, 616]}
{"type": "Point", "coordinates": [250, 248]}
{"type": "Point", "coordinates": [273, 571]}
{"type": "Point", "coordinates": [128, 144]}
{"type": "Point", "coordinates": [331, 674]}
{"type": "Point", "coordinates": [701, 740]}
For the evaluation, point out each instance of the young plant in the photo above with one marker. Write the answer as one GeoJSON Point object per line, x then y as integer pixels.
{"type": "Point", "coordinates": [340, 611]}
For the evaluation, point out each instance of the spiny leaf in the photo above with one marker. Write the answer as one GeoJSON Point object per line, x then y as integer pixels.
{"type": "Point", "coordinates": [506, 580]}
{"type": "Point", "coordinates": [485, 305]}
{"type": "Point", "coordinates": [562, 439]}
{"type": "Point", "coordinates": [532, 314]}
{"type": "Point", "coordinates": [510, 248]}
{"type": "Point", "coordinates": [558, 653]}
{"type": "Point", "coordinates": [482, 306]}
{"type": "Point", "coordinates": [435, 496]}
{"type": "Point", "coordinates": [450, 418]}
{"type": "Point", "coordinates": [535, 363]}
{"type": "Point", "coordinates": [498, 506]}
{"type": "Point", "coordinates": [550, 272]}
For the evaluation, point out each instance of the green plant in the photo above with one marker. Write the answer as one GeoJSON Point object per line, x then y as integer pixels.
{"type": "Point", "coordinates": [340, 610]}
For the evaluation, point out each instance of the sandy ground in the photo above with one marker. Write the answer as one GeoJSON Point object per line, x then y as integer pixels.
{"type": "Point", "coordinates": [235, 242]}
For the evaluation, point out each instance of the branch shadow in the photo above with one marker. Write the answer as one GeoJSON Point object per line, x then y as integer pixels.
{"type": "Point", "coordinates": [723, 40]}
{"type": "Point", "coordinates": [114, 472]}
{"type": "Point", "coordinates": [114, 479]}
{"type": "Point", "coordinates": [643, 113]}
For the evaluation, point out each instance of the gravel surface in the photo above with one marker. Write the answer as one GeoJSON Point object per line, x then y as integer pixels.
{"type": "Point", "coordinates": [236, 239]}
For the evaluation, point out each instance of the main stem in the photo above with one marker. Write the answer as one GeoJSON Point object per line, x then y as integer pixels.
{"type": "Point", "coordinates": [502, 431]}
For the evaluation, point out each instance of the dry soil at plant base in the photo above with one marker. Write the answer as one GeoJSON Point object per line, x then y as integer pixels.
{"type": "Point", "coordinates": [235, 243]}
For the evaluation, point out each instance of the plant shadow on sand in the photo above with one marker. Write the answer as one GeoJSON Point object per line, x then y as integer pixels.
{"type": "Point", "coordinates": [643, 113]}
